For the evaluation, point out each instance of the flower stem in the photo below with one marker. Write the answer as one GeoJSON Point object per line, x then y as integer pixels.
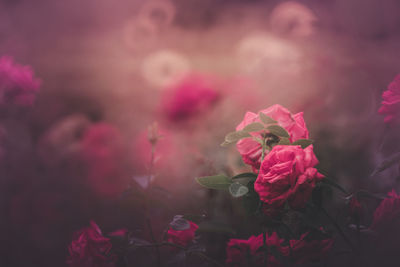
{"type": "Point", "coordinates": [339, 229]}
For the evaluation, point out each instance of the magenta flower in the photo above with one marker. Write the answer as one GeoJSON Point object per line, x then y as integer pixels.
{"type": "Point", "coordinates": [17, 83]}
{"type": "Point", "coordinates": [287, 174]}
{"type": "Point", "coordinates": [249, 252]}
{"type": "Point", "coordinates": [182, 237]}
{"type": "Point", "coordinates": [90, 248]}
{"type": "Point", "coordinates": [191, 97]}
{"type": "Point", "coordinates": [306, 251]}
{"type": "Point", "coordinates": [391, 101]}
{"type": "Point", "coordinates": [387, 213]}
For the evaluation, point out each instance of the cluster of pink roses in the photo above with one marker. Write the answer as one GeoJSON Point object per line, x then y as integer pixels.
{"type": "Point", "coordinates": [90, 248]}
{"type": "Point", "coordinates": [283, 162]}
{"type": "Point", "coordinates": [250, 253]}
{"type": "Point", "coordinates": [287, 173]}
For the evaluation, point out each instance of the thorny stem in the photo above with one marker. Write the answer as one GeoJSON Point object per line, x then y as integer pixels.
{"type": "Point", "coordinates": [154, 240]}
{"type": "Point", "coordinates": [148, 221]}
{"type": "Point", "coordinates": [339, 229]}
{"type": "Point", "coordinates": [263, 149]}
{"type": "Point", "coordinates": [265, 247]}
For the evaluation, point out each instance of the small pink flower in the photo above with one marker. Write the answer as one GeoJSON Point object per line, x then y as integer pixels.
{"type": "Point", "coordinates": [183, 237]}
{"type": "Point", "coordinates": [250, 253]}
{"type": "Point", "coordinates": [391, 101]}
{"type": "Point", "coordinates": [307, 251]}
{"type": "Point", "coordinates": [191, 97]}
{"type": "Point", "coordinates": [251, 150]}
{"type": "Point", "coordinates": [287, 174]}
{"type": "Point", "coordinates": [387, 213]}
{"type": "Point", "coordinates": [17, 83]}
{"type": "Point", "coordinates": [90, 248]}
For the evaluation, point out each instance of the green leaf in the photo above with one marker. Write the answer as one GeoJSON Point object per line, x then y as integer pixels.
{"type": "Point", "coordinates": [220, 182]}
{"type": "Point", "coordinates": [284, 141]}
{"type": "Point", "coordinates": [278, 131]}
{"type": "Point", "coordinates": [244, 175]}
{"type": "Point", "coordinates": [245, 178]}
{"type": "Point", "coordinates": [386, 164]}
{"type": "Point", "coordinates": [233, 137]}
{"type": "Point", "coordinates": [215, 227]}
{"type": "Point", "coordinates": [333, 184]}
{"type": "Point", "coordinates": [253, 127]}
{"type": "Point", "coordinates": [266, 119]}
{"type": "Point", "coordinates": [303, 143]}
{"type": "Point", "coordinates": [236, 136]}
{"type": "Point", "coordinates": [237, 190]}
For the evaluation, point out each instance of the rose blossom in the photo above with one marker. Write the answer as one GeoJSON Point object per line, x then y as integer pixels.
{"type": "Point", "coordinates": [183, 237]}
{"type": "Point", "coordinates": [17, 83]}
{"type": "Point", "coordinates": [251, 150]}
{"type": "Point", "coordinates": [90, 248]}
{"type": "Point", "coordinates": [249, 252]}
{"type": "Point", "coordinates": [391, 101]}
{"type": "Point", "coordinates": [387, 213]}
{"type": "Point", "coordinates": [307, 251]}
{"type": "Point", "coordinates": [287, 174]}
{"type": "Point", "coordinates": [192, 96]}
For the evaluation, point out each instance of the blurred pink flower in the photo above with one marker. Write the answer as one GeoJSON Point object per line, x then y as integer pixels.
{"type": "Point", "coordinates": [102, 150]}
{"type": "Point", "coordinates": [17, 83]}
{"type": "Point", "coordinates": [249, 252]}
{"type": "Point", "coordinates": [287, 174]}
{"type": "Point", "coordinates": [251, 149]}
{"type": "Point", "coordinates": [183, 237]}
{"type": "Point", "coordinates": [189, 98]}
{"type": "Point", "coordinates": [89, 248]}
{"type": "Point", "coordinates": [387, 213]}
{"type": "Point", "coordinates": [391, 101]}
{"type": "Point", "coordinates": [307, 251]}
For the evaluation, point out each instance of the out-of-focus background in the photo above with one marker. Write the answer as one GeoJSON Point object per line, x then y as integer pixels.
{"type": "Point", "coordinates": [109, 69]}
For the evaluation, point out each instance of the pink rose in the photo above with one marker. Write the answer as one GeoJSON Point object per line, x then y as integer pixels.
{"type": "Point", "coordinates": [17, 83]}
{"type": "Point", "coordinates": [294, 125]}
{"type": "Point", "coordinates": [90, 248]}
{"type": "Point", "coordinates": [189, 98]}
{"type": "Point", "coordinates": [387, 213]}
{"type": "Point", "coordinates": [183, 237]}
{"type": "Point", "coordinates": [249, 252]}
{"type": "Point", "coordinates": [287, 174]}
{"type": "Point", "coordinates": [391, 101]}
{"type": "Point", "coordinates": [307, 251]}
